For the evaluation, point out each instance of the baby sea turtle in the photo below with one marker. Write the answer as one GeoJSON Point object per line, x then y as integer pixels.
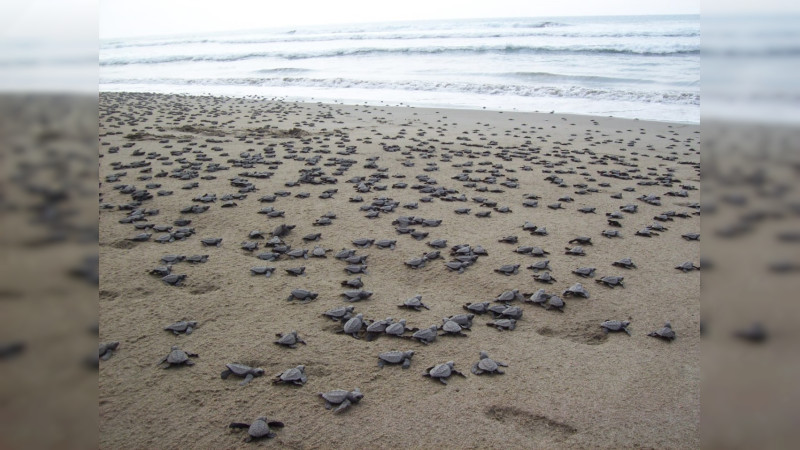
{"type": "Point", "coordinates": [487, 365]}
{"type": "Point", "coordinates": [511, 239]}
{"type": "Point", "coordinates": [174, 279]}
{"type": "Point", "coordinates": [208, 242]}
{"type": "Point", "coordinates": [312, 237]}
{"type": "Point", "coordinates": [438, 243]}
{"type": "Point", "coordinates": [297, 253]}
{"type": "Point", "coordinates": [555, 302]}
{"type": "Point", "coordinates": [262, 270]}
{"type": "Point", "coordinates": [691, 236]}
{"type": "Point", "coordinates": [416, 263]}
{"type": "Point", "coordinates": [183, 326]}
{"type": "Point", "coordinates": [544, 278]}
{"type": "Point", "coordinates": [611, 281]}
{"type": "Point", "coordinates": [615, 325]}
{"type": "Point", "coordinates": [140, 237]}
{"type": "Point", "coordinates": [386, 243]}
{"type": "Point", "coordinates": [177, 357]}
{"type": "Point", "coordinates": [426, 335]}
{"type": "Point", "coordinates": [363, 243]}
{"type": "Point", "coordinates": [451, 327]}
{"type": "Point", "coordinates": [477, 308]}
{"type": "Point", "coordinates": [197, 259]}
{"type": "Point", "coordinates": [665, 332]}
{"type": "Point", "coordinates": [249, 246]}
{"type": "Point", "coordinates": [575, 251]}
{"type": "Point", "coordinates": [503, 324]}
{"type": "Point", "coordinates": [540, 265]}
{"type": "Point", "coordinates": [354, 283]}
{"type": "Point", "coordinates": [611, 233]}
{"type": "Point", "coordinates": [356, 295]}
{"type": "Point", "coordinates": [398, 328]}
{"type": "Point", "coordinates": [319, 252]}
{"type": "Point", "coordinates": [414, 303]}
{"type": "Point", "coordinates": [342, 398]}
{"type": "Point", "coordinates": [442, 372]}
{"type": "Point", "coordinates": [582, 240]}
{"type": "Point", "coordinates": [586, 272]}
{"type": "Point", "coordinates": [354, 325]}
{"type": "Point", "coordinates": [509, 296]}
{"type": "Point", "coordinates": [241, 370]}
{"type": "Point", "coordinates": [172, 259]}
{"type": "Point", "coordinates": [395, 357]}
{"type": "Point", "coordinates": [296, 271]}
{"type": "Point", "coordinates": [356, 268]}
{"type": "Point", "coordinates": [508, 269]}
{"type": "Point", "coordinates": [290, 339]}
{"type": "Point", "coordinates": [537, 298]}
{"type": "Point", "coordinates": [625, 263]}
{"type": "Point", "coordinates": [465, 320]}
{"type": "Point", "coordinates": [295, 375]}
{"type": "Point", "coordinates": [342, 313]}
{"type": "Point", "coordinates": [576, 289]}
{"type": "Point", "coordinates": [259, 429]}
{"type": "Point", "coordinates": [457, 266]}
{"type": "Point", "coordinates": [538, 251]}
{"type": "Point", "coordinates": [646, 232]}
{"type": "Point", "coordinates": [302, 294]}
{"type": "Point", "coordinates": [509, 312]}
{"type": "Point", "coordinates": [688, 266]}
{"type": "Point", "coordinates": [106, 350]}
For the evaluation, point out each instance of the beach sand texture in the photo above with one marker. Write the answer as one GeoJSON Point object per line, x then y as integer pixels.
{"type": "Point", "coordinates": [567, 384]}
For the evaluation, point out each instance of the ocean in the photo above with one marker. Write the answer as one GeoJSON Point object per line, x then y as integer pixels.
{"type": "Point", "coordinates": [645, 67]}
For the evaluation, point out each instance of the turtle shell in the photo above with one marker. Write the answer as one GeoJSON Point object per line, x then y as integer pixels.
{"type": "Point", "coordinates": [441, 370]}
{"type": "Point", "coordinates": [177, 356]}
{"type": "Point", "coordinates": [293, 374]}
{"type": "Point", "coordinates": [451, 327]}
{"type": "Point", "coordinates": [393, 357]}
{"type": "Point", "coordinates": [397, 328]}
{"type": "Point", "coordinates": [487, 365]}
{"type": "Point", "coordinates": [354, 325]}
{"type": "Point", "coordinates": [239, 369]}
{"type": "Point", "coordinates": [259, 428]}
{"type": "Point", "coordinates": [335, 396]}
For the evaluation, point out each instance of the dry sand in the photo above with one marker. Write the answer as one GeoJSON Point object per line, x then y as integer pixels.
{"type": "Point", "coordinates": [568, 385]}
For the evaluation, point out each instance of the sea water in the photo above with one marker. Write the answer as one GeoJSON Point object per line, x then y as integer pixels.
{"type": "Point", "coordinates": [645, 67]}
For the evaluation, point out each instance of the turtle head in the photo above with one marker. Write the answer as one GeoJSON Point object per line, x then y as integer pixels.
{"type": "Point", "coordinates": [450, 363]}
{"type": "Point", "coordinates": [174, 347]}
{"type": "Point", "coordinates": [625, 323]}
{"type": "Point", "coordinates": [484, 355]}
{"type": "Point", "coordinates": [667, 325]}
{"type": "Point", "coordinates": [409, 354]}
{"type": "Point", "coordinates": [301, 368]}
{"type": "Point", "coordinates": [258, 372]}
{"type": "Point", "coordinates": [355, 395]}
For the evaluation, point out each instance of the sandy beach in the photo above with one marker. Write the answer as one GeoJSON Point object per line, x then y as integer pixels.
{"type": "Point", "coordinates": [568, 384]}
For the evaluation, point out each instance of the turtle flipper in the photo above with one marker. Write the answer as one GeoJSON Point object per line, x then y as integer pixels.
{"type": "Point", "coordinates": [474, 369]}
{"type": "Point", "coordinates": [626, 330]}
{"type": "Point", "coordinates": [459, 373]}
{"type": "Point", "coordinates": [499, 371]}
{"type": "Point", "coordinates": [381, 363]}
{"type": "Point", "coordinates": [225, 374]}
{"type": "Point", "coordinates": [328, 405]}
{"type": "Point", "coordinates": [189, 330]}
{"type": "Point", "coordinates": [406, 363]}
{"type": "Point", "coordinates": [247, 379]}
{"type": "Point", "coordinates": [239, 425]}
{"type": "Point", "coordinates": [105, 356]}
{"type": "Point", "coordinates": [345, 404]}
{"type": "Point", "coordinates": [443, 380]}
{"type": "Point", "coordinates": [275, 424]}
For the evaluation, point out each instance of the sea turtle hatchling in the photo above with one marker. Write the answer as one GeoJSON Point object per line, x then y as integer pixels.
{"type": "Point", "coordinates": [354, 283]}
{"type": "Point", "coordinates": [208, 242]}
{"type": "Point", "coordinates": [395, 357]}
{"type": "Point", "coordinates": [259, 429]}
{"type": "Point", "coordinates": [611, 281]}
{"type": "Point", "coordinates": [398, 328]}
{"type": "Point", "coordinates": [615, 325]}
{"type": "Point", "coordinates": [544, 278]}
{"type": "Point", "coordinates": [538, 298]}
{"type": "Point", "coordinates": [576, 289]}
{"type": "Point", "coordinates": [174, 279]}
{"type": "Point", "coordinates": [688, 266]}
{"type": "Point", "coordinates": [487, 365]}
{"type": "Point", "coordinates": [363, 243]}
{"type": "Point", "coordinates": [356, 268]}
{"type": "Point", "coordinates": [177, 357]}
{"type": "Point", "coordinates": [296, 271]}
{"type": "Point", "coordinates": [503, 324]}
{"type": "Point", "coordinates": [295, 375]}
{"type": "Point", "coordinates": [241, 370]}
{"type": "Point", "coordinates": [509, 296]}
{"type": "Point", "coordinates": [451, 327]}
{"type": "Point", "coordinates": [341, 397]}
{"type": "Point", "coordinates": [477, 308]}
{"type": "Point", "coordinates": [426, 335]}
{"type": "Point", "coordinates": [540, 265]}
{"type": "Point", "coordinates": [508, 269]}
{"type": "Point", "coordinates": [414, 303]}
{"type": "Point", "coordinates": [582, 240]}
{"type": "Point", "coordinates": [290, 339]}
{"type": "Point", "coordinates": [106, 350]}
{"type": "Point", "coordinates": [665, 332]}
{"type": "Point", "coordinates": [611, 233]}
{"type": "Point", "coordinates": [302, 294]}
{"type": "Point", "coordinates": [356, 295]}
{"type": "Point", "coordinates": [691, 236]}
{"type": "Point", "coordinates": [262, 270]}
{"type": "Point", "coordinates": [442, 372]}
{"type": "Point", "coordinates": [184, 326]}
{"type": "Point", "coordinates": [353, 326]}
{"type": "Point", "coordinates": [555, 302]}
{"type": "Point", "coordinates": [342, 313]}
{"type": "Point", "coordinates": [377, 327]}
{"type": "Point", "coordinates": [625, 263]}
{"type": "Point", "coordinates": [575, 251]}
{"type": "Point", "coordinates": [538, 251]}
{"type": "Point", "coordinates": [319, 252]}
{"type": "Point", "coordinates": [465, 320]}
{"type": "Point", "coordinates": [386, 243]}
{"type": "Point", "coordinates": [585, 272]}
{"type": "Point", "coordinates": [416, 263]}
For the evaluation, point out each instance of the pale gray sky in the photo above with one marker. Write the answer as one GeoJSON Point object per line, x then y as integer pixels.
{"type": "Point", "coordinates": [129, 18]}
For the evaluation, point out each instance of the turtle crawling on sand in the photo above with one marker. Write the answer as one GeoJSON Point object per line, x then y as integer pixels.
{"type": "Point", "coordinates": [665, 332]}
{"type": "Point", "coordinates": [426, 335]}
{"type": "Point", "coordinates": [414, 303]}
{"type": "Point", "coordinates": [177, 357]}
{"type": "Point", "coordinates": [290, 339]}
{"type": "Point", "coordinates": [260, 428]}
{"type": "Point", "coordinates": [295, 375]}
{"type": "Point", "coordinates": [342, 313]}
{"type": "Point", "coordinates": [241, 370]}
{"type": "Point", "coordinates": [395, 357]}
{"type": "Point", "coordinates": [106, 350]}
{"type": "Point", "coordinates": [611, 281]}
{"type": "Point", "coordinates": [488, 365]}
{"type": "Point", "coordinates": [342, 398]}
{"type": "Point", "coordinates": [616, 325]}
{"type": "Point", "coordinates": [303, 295]}
{"type": "Point", "coordinates": [442, 372]}
{"type": "Point", "coordinates": [183, 326]}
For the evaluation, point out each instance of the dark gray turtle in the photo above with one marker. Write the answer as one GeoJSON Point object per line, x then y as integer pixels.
{"type": "Point", "coordinates": [465, 320]}
{"type": "Point", "coordinates": [583, 240]}
{"type": "Point", "coordinates": [342, 313]}
{"type": "Point", "coordinates": [282, 230]}
{"type": "Point", "coordinates": [342, 398]}
{"type": "Point", "coordinates": [555, 302]}
{"type": "Point", "coordinates": [538, 298]}
{"type": "Point", "coordinates": [259, 429]}
{"type": "Point", "coordinates": [438, 243]}
{"type": "Point", "coordinates": [512, 239]}
{"type": "Point", "coordinates": [414, 303]}
{"type": "Point", "coordinates": [457, 266]}
{"type": "Point", "coordinates": [386, 243]}
{"type": "Point", "coordinates": [395, 357]}
{"type": "Point", "coordinates": [556, 205]}
{"type": "Point", "coordinates": [197, 259]}
{"type": "Point", "coordinates": [611, 281]}
{"type": "Point", "coordinates": [297, 253]}
{"type": "Point", "coordinates": [416, 263]}
{"type": "Point", "coordinates": [656, 226]}
{"type": "Point", "coordinates": [268, 256]}
{"type": "Point", "coordinates": [290, 339]}
{"type": "Point", "coordinates": [576, 289]}
{"type": "Point", "coordinates": [302, 294]}
{"type": "Point", "coordinates": [140, 237]}
{"type": "Point", "coordinates": [451, 327]}
{"type": "Point", "coordinates": [527, 226]}
{"type": "Point", "coordinates": [208, 242]}
{"type": "Point", "coordinates": [312, 237]}
{"type": "Point", "coordinates": [508, 269]}
{"type": "Point", "coordinates": [356, 295]}
{"type": "Point", "coordinates": [586, 272]}
{"type": "Point", "coordinates": [691, 236]}
{"type": "Point", "coordinates": [442, 372]}
{"type": "Point", "coordinates": [354, 283]}
{"type": "Point", "coordinates": [523, 249]}
{"type": "Point", "coordinates": [483, 214]}
{"type": "Point", "coordinates": [161, 271]}
{"type": "Point", "coordinates": [249, 246]}
{"type": "Point", "coordinates": [363, 242]}
{"type": "Point", "coordinates": [688, 266]}
{"type": "Point", "coordinates": [354, 325]}
{"type": "Point", "coordinates": [625, 263]}
{"type": "Point", "coordinates": [274, 241]}
{"type": "Point", "coordinates": [503, 324]}
{"type": "Point", "coordinates": [256, 234]}
{"type": "Point", "coordinates": [665, 332]}
{"type": "Point", "coordinates": [496, 310]}
{"type": "Point", "coordinates": [356, 268]}
{"type": "Point", "coordinates": [611, 233]}
{"type": "Point", "coordinates": [174, 279]}
{"type": "Point", "coordinates": [183, 326]}
{"type": "Point", "coordinates": [509, 296]}
{"type": "Point", "coordinates": [377, 328]}
{"type": "Point", "coordinates": [319, 252]}
{"type": "Point", "coordinates": [426, 335]}
{"type": "Point", "coordinates": [541, 231]}
{"type": "Point", "coordinates": [296, 271]}
{"type": "Point", "coordinates": [177, 357]}
{"type": "Point", "coordinates": [295, 375]}
{"type": "Point", "coordinates": [419, 235]}
{"type": "Point", "coordinates": [575, 251]}
{"type": "Point", "coordinates": [398, 328]}
{"type": "Point", "coordinates": [262, 270]}
{"type": "Point", "coordinates": [510, 312]}
{"type": "Point", "coordinates": [646, 232]}
{"type": "Point", "coordinates": [615, 325]}
{"type": "Point", "coordinates": [106, 350]}
{"type": "Point", "coordinates": [538, 251]}
{"type": "Point", "coordinates": [477, 308]}
{"type": "Point", "coordinates": [241, 370]}
{"type": "Point", "coordinates": [540, 265]}
{"type": "Point", "coordinates": [172, 259]}
{"type": "Point", "coordinates": [544, 278]}
{"type": "Point", "coordinates": [356, 259]}
{"type": "Point", "coordinates": [488, 365]}
{"type": "Point", "coordinates": [430, 256]}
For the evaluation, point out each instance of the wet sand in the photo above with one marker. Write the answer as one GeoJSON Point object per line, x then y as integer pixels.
{"type": "Point", "coordinates": [567, 384]}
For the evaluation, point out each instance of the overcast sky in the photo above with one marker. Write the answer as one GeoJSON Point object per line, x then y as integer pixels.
{"type": "Point", "coordinates": [129, 18]}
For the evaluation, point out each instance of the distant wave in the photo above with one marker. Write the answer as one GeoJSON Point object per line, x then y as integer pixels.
{"type": "Point", "coordinates": [283, 70]}
{"type": "Point", "coordinates": [556, 77]}
{"type": "Point", "coordinates": [507, 49]}
{"type": "Point", "coordinates": [583, 92]}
